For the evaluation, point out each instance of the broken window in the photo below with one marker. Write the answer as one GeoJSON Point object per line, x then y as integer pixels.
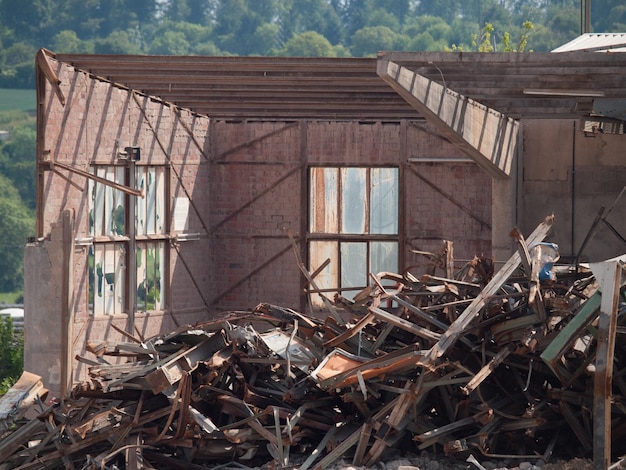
{"type": "Point", "coordinates": [114, 237]}
{"type": "Point", "coordinates": [353, 221]}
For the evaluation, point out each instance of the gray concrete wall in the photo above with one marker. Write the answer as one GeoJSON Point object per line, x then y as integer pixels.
{"type": "Point", "coordinates": [42, 306]}
{"type": "Point", "coordinates": [574, 176]}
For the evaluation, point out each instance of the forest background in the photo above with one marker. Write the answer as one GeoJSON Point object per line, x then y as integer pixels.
{"type": "Point", "coordinates": [329, 28]}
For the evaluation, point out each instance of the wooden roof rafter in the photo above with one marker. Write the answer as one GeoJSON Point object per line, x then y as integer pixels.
{"type": "Point", "coordinates": [349, 88]}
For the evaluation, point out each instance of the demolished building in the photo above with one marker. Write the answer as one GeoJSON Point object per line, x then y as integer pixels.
{"type": "Point", "coordinates": [173, 189]}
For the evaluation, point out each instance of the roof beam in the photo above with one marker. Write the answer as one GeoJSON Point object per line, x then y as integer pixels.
{"type": "Point", "coordinates": [485, 135]}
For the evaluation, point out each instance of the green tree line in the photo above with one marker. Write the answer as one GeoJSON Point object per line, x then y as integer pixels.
{"type": "Point", "coordinates": [343, 28]}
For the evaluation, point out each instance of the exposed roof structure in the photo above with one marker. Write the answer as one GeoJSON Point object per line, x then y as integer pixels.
{"type": "Point", "coordinates": [255, 87]}
{"type": "Point", "coordinates": [535, 85]}
{"type": "Point", "coordinates": [530, 85]}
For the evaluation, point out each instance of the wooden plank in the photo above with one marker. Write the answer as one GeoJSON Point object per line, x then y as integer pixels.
{"type": "Point", "coordinates": [487, 369]}
{"type": "Point", "coordinates": [404, 324]}
{"type": "Point", "coordinates": [534, 296]}
{"type": "Point", "coordinates": [449, 337]}
{"type": "Point", "coordinates": [14, 403]}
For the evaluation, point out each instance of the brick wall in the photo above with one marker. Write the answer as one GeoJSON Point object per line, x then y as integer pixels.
{"type": "Point", "coordinates": [235, 187]}
{"type": "Point", "coordinates": [258, 186]}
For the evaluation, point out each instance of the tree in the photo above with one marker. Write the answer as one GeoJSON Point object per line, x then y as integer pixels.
{"type": "Point", "coordinates": [298, 16]}
{"type": "Point", "coordinates": [68, 42]}
{"type": "Point", "coordinates": [17, 162]}
{"type": "Point", "coordinates": [485, 42]}
{"type": "Point", "coordinates": [612, 19]}
{"type": "Point", "coordinates": [237, 23]}
{"type": "Point", "coordinates": [446, 9]}
{"type": "Point", "coordinates": [170, 43]}
{"type": "Point", "coordinates": [308, 44]}
{"type": "Point", "coordinates": [17, 224]}
{"type": "Point", "coordinates": [11, 354]}
{"type": "Point", "coordinates": [426, 27]}
{"type": "Point", "coordinates": [118, 42]}
{"type": "Point", "coordinates": [399, 9]}
{"type": "Point", "coordinates": [188, 11]}
{"type": "Point", "coordinates": [355, 15]}
{"type": "Point", "coordinates": [369, 40]}
{"type": "Point", "coordinates": [19, 66]}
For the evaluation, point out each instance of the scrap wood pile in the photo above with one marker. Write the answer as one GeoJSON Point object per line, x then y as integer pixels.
{"type": "Point", "coordinates": [470, 364]}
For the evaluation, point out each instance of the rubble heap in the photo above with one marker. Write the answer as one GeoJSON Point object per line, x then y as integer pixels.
{"type": "Point", "coordinates": [469, 363]}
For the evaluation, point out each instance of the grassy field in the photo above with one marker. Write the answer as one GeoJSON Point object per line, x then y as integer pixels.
{"type": "Point", "coordinates": [10, 298]}
{"type": "Point", "coordinates": [20, 100]}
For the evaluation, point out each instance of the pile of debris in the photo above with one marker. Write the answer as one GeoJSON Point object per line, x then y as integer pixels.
{"type": "Point", "coordinates": [470, 363]}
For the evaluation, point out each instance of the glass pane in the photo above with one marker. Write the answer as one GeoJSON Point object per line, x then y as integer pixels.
{"type": "Point", "coordinates": [150, 259]}
{"type": "Point", "coordinates": [353, 268]}
{"type": "Point", "coordinates": [323, 200]}
{"type": "Point", "coordinates": [319, 252]}
{"type": "Point", "coordinates": [150, 208]}
{"type": "Point", "coordinates": [106, 212]}
{"type": "Point", "coordinates": [106, 264]}
{"type": "Point", "coordinates": [384, 201]}
{"type": "Point", "coordinates": [353, 200]}
{"type": "Point", "coordinates": [383, 257]}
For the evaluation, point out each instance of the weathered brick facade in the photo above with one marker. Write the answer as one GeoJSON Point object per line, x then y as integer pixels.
{"type": "Point", "coordinates": [242, 184]}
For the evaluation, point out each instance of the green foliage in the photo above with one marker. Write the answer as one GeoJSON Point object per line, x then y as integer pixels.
{"type": "Point", "coordinates": [274, 27]}
{"type": "Point", "coordinates": [11, 354]}
{"type": "Point", "coordinates": [486, 41]}
{"type": "Point", "coordinates": [17, 194]}
{"type": "Point", "coordinates": [308, 44]}
{"type": "Point", "coordinates": [118, 42]}
{"type": "Point", "coordinates": [68, 42]}
{"type": "Point", "coordinates": [17, 162]}
{"type": "Point", "coordinates": [371, 39]}
{"type": "Point", "coordinates": [19, 66]}
{"type": "Point", "coordinates": [12, 298]}
{"type": "Point", "coordinates": [17, 224]}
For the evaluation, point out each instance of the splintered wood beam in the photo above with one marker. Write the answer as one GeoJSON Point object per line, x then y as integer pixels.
{"type": "Point", "coordinates": [404, 324]}
{"type": "Point", "coordinates": [459, 326]}
{"type": "Point", "coordinates": [487, 369]}
{"type": "Point", "coordinates": [534, 297]}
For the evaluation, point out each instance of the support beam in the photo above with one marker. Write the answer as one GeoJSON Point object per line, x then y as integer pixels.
{"type": "Point", "coordinates": [67, 303]}
{"type": "Point", "coordinates": [485, 135]}
{"type": "Point", "coordinates": [611, 276]}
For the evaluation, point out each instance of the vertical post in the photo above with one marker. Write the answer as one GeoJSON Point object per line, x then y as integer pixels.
{"type": "Point", "coordinates": [67, 303]}
{"type": "Point", "coordinates": [585, 7]}
{"type": "Point", "coordinates": [304, 207]}
{"type": "Point", "coordinates": [131, 265]}
{"type": "Point", "coordinates": [610, 275]}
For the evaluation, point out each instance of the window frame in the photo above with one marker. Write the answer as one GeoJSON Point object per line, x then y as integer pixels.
{"type": "Point", "coordinates": [153, 181]}
{"type": "Point", "coordinates": [331, 278]}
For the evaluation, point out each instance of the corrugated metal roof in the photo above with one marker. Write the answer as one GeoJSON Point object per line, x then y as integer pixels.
{"type": "Point", "coordinates": [596, 42]}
